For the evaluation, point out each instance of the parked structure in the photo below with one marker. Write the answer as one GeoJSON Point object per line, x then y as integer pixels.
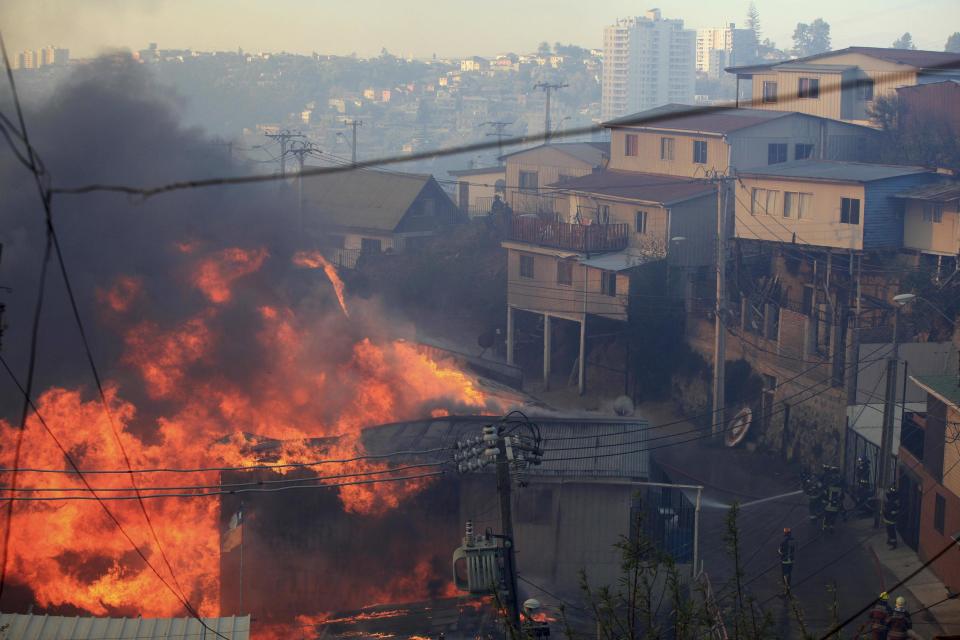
{"type": "Point", "coordinates": [532, 175]}
{"type": "Point", "coordinates": [648, 61]}
{"type": "Point", "coordinates": [842, 84]}
{"type": "Point", "coordinates": [850, 206]}
{"type": "Point", "coordinates": [355, 212]}
{"type": "Point", "coordinates": [929, 484]}
{"type": "Point", "coordinates": [697, 142]}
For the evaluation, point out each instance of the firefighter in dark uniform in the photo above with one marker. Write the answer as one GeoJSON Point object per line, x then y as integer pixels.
{"type": "Point", "coordinates": [891, 512]}
{"type": "Point", "coordinates": [788, 552]}
{"type": "Point", "coordinates": [832, 498]}
{"type": "Point", "coordinates": [899, 623]}
{"type": "Point", "coordinates": [813, 489]}
{"type": "Point", "coordinates": [878, 617]}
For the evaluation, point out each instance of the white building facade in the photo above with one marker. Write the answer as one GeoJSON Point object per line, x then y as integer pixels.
{"type": "Point", "coordinates": [647, 62]}
{"type": "Point", "coordinates": [723, 47]}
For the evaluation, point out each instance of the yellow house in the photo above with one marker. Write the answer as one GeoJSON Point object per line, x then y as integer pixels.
{"type": "Point", "coordinates": [842, 84]}
{"type": "Point", "coordinates": [931, 222]}
{"type": "Point", "coordinates": [477, 187]}
{"type": "Point", "coordinates": [843, 205]}
{"type": "Point", "coordinates": [578, 266]}
{"type": "Point", "coordinates": [530, 171]}
{"type": "Point", "coordinates": [699, 142]}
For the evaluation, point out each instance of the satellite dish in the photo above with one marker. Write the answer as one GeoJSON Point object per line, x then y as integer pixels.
{"type": "Point", "coordinates": [738, 427]}
{"type": "Point", "coordinates": [531, 605]}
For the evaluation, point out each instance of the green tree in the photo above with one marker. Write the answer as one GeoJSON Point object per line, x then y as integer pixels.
{"type": "Point", "coordinates": [927, 141]}
{"type": "Point", "coordinates": [811, 39]}
{"type": "Point", "coordinates": [953, 43]}
{"type": "Point", "coordinates": [904, 42]}
{"type": "Point", "coordinates": [753, 20]}
{"type": "Point", "coordinates": [544, 48]}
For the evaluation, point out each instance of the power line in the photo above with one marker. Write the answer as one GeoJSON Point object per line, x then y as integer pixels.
{"type": "Point", "coordinates": [186, 604]}
{"type": "Point", "coordinates": [230, 485]}
{"type": "Point", "coordinates": [638, 120]}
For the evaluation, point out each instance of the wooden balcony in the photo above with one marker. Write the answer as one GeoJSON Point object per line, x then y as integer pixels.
{"type": "Point", "coordinates": [588, 238]}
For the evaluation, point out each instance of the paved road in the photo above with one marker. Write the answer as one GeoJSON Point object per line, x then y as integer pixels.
{"type": "Point", "coordinates": [843, 558]}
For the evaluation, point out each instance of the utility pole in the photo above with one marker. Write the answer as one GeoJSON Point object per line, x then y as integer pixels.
{"type": "Point", "coordinates": [354, 124]}
{"type": "Point", "coordinates": [499, 133]}
{"type": "Point", "coordinates": [547, 89]}
{"type": "Point", "coordinates": [889, 405]}
{"type": "Point", "coordinates": [720, 336]}
{"type": "Point", "coordinates": [512, 454]}
{"type": "Point", "coordinates": [284, 137]}
{"type": "Point", "coordinates": [300, 149]}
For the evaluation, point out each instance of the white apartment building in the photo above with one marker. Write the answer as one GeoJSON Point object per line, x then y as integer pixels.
{"type": "Point", "coordinates": [647, 62]}
{"type": "Point", "coordinates": [723, 47]}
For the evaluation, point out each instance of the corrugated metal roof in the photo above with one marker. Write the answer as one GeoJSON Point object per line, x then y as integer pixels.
{"type": "Point", "coordinates": [937, 192]}
{"type": "Point", "coordinates": [912, 57]}
{"type": "Point", "coordinates": [819, 68]}
{"type": "Point", "coordinates": [605, 447]}
{"type": "Point", "coordinates": [363, 198]}
{"type": "Point", "coordinates": [477, 171]}
{"type": "Point", "coordinates": [647, 187]}
{"type": "Point", "coordinates": [619, 261]}
{"type": "Point", "coordinates": [42, 627]}
{"type": "Point", "coordinates": [834, 170]}
{"type": "Point", "coordinates": [946, 387]}
{"type": "Point", "coordinates": [682, 117]}
{"type": "Point", "coordinates": [592, 153]}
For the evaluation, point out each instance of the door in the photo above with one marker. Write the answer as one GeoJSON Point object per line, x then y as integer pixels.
{"type": "Point", "coordinates": [911, 498]}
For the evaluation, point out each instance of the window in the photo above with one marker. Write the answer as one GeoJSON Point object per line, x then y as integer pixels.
{"type": "Point", "coordinates": [809, 299]}
{"type": "Point", "coordinates": [608, 283]}
{"type": "Point", "coordinates": [630, 144]}
{"type": "Point", "coordinates": [700, 151]}
{"type": "Point", "coordinates": [932, 212]}
{"type": "Point", "coordinates": [776, 152]}
{"type": "Point", "coordinates": [427, 208]}
{"type": "Point", "coordinates": [370, 245]}
{"type": "Point", "coordinates": [526, 266]}
{"type": "Point", "coordinates": [769, 91]}
{"type": "Point", "coordinates": [796, 204]}
{"type": "Point", "coordinates": [763, 201]}
{"type": "Point", "coordinates": [802, 151]}
{"type": "Point", "coordinates": [565, 272]}
{"type": "Point", "coordinates": [939, 513]}
{"type": "Point", "coordinates": [641, 221]}
{"type": "Point", "coordinates": [809, 88]}
{"type": "Point", "coordinates": [666, 148]}
{"type": "Point", "coordinates": [865, 89]}
{"type": "Point", "coordinates": [528, 180]}
{"type": "Point", "coordinates": [850, 210]}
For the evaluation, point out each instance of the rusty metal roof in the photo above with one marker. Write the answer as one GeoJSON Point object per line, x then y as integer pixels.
{"type": "Point", "coordinates": [646, 187]}
{"type": "Point", "coordinates": [937, 192]}
{"type": "Point", "coordinates": [697, 119]}
{"type": "Point", "coordinates": [43, 627]}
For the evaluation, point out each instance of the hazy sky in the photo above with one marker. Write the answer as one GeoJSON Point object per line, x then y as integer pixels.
{"type": "Point", "coordinates": [424, 27]}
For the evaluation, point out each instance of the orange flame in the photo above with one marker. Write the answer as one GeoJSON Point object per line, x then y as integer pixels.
{"type": "Point", "coordinates": [315, 260]}
{"type": "Point", "coordinates": [70, 553]}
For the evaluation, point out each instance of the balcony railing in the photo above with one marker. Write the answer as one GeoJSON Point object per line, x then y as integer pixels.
{"type": "Point", "coordinates": [573, 237]}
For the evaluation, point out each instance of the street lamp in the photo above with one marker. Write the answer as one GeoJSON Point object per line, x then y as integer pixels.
{"type": "Point", "coordinates": [903, 299]}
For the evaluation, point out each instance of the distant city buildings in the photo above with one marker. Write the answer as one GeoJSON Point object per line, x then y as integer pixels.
{"type": "Point", "coordinates": [45, 57]}
{"type": "Point", "coordinates": [723, 47]}
{"type": "Point", "coordinates": [649, 61]}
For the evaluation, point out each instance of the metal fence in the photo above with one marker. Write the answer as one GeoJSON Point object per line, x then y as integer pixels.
{"type": "Point", "coordinates": [667, 520]}
{"type": "Point", "coordinates": [858, 446]}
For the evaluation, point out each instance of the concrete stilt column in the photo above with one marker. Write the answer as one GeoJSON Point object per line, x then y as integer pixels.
{"type": "Point", "coordinates": [509, 334]}
{"type": "Point", "coordinates": [547, 340]}
{"type": "Point", "coordinates": [581, 378]}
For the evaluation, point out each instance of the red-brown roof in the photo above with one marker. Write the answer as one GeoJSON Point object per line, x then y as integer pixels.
{"type": "Point", "coordinates": [646, 187]}
{"type": "Point", "coordinates": [912, 57]}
